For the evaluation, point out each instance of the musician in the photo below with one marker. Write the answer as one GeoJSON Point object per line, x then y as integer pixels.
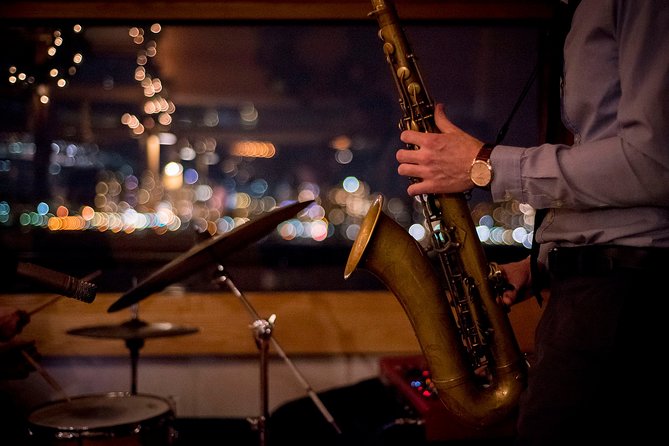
{"type": "Point", "coordinates": [13, 366]}
{"type": "Point", "coordinates": [12, 321]}
{"type": "Point", "coordinates": [605, 236]}
{"type": "Point", "coordinates": [12, 363]}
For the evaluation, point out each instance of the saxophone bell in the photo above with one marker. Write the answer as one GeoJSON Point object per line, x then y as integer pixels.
{"type": "Point", "coordinates": [386, 250]}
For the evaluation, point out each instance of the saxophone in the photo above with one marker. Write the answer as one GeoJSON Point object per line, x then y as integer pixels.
{"type": "Point", "coordinates": [464, 333]}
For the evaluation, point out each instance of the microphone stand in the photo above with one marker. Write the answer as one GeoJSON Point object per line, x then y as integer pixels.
{"type": "Point", "coordinates": [262, 329]}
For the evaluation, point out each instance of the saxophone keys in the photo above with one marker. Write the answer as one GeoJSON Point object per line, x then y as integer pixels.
{"type": "Point", "coordinates": [414, 89]}
{"type": "Point", "coordinates": [388, 48]}
{"type": "Point", "coordinates": [403, 73]}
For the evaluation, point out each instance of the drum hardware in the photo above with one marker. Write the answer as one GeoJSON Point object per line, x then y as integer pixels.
{"type": "Point", "coordinates": [209, 252]}
{"type": "Point", "coordinates": [262, 331]}
{"type": "Point", "coordinates": [133, 332]}
{"type": "Point", "coordinates": [213, 251]}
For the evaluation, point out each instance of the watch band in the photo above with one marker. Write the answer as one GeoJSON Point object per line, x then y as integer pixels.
{"type": "Point", "coordinates": [485, 152]}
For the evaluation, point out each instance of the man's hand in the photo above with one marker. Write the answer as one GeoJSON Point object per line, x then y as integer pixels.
{"type": "Point", "coordinates": [519, 279]}
{"type": "Point", "coordinates": [13, 364]}
{"type": "Point", "coordinates": [442, 161]}
{"type": "Point", "coordinates": [12, 322]}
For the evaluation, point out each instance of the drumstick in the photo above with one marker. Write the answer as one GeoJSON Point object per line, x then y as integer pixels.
{"type": "Point", "coordinates": [44, 305]}
{"type": "Point", "coordinates": [52, 382]}
{"type": "Point", "coordinates": [57, 298]}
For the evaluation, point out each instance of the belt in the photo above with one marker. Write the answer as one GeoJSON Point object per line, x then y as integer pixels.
{"type": "Point", "coordinates": [605, 259]}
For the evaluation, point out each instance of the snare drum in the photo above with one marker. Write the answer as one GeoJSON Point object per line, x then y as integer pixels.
{"type": "Point", "coordinates": [111, 419]}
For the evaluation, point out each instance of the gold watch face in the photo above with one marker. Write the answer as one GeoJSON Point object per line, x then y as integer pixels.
{"type": "Point", "coordinates": [481, 173]}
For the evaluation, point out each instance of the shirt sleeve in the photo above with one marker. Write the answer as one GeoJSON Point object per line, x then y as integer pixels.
{"type": "Point", "coordinates": [628, 164]}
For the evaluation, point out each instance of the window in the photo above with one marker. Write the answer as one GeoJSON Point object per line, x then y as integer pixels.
{"type": "Point", "coordinates": [124, 144]}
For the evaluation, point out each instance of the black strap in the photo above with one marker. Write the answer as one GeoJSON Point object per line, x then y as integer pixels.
{"type": "Point", "coordinates": [523, 94]}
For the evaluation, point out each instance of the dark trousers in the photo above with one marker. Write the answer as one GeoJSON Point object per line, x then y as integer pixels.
{"type": "Point", "coordinates": [599, 345]}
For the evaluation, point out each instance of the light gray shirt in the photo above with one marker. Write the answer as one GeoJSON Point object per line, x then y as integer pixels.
{"type": "Point", "coordinates": [612, 185]}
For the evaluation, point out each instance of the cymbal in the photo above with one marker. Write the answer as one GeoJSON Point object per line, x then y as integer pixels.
{"type": "Point", "coordinates": [133, 329]}
{"type": "Point", "coordinates": [208, 252]}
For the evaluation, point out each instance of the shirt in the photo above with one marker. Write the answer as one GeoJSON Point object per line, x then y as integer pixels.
{"type": "Point", "coordinates": [612, 185]}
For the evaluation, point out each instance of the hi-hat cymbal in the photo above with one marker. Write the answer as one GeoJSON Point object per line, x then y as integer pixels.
{"type": "Point", "coordinates": [133, 329]}
{"type": "Point", "coordinates": [208, 252]}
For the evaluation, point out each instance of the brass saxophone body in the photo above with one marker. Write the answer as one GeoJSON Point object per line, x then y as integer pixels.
{"type": "Point", "coordinates": [465, 335]}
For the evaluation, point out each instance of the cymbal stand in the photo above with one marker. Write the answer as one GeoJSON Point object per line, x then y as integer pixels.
{"type": "Point", "coordinates": [134, 345]}
{"type": "Point", "coordinates": [262, 329]}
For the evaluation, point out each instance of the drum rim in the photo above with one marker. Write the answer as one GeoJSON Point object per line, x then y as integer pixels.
{"type": "Point", "coordinates": [111, 394]}
{"type": "Point", "coordinates": [120, 429]}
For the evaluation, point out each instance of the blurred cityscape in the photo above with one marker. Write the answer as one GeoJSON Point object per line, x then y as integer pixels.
{"type": "Point", "coordinates": [179, 131]}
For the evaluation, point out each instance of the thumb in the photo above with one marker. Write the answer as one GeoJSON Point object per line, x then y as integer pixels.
{"type": "Point", "coordinates": [443, 123]}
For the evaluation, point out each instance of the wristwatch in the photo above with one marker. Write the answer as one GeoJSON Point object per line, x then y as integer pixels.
{"type": "Point", "coordinates": [480, 171]}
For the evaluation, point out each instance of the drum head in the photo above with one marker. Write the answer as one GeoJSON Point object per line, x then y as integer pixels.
{"type": "Point", "coordinates": [95, 412]}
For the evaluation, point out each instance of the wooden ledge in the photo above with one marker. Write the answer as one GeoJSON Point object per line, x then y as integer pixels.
{"type": "Point", "coordinates": [307, 323]}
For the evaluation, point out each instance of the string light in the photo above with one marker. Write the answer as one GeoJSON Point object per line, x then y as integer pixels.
{"type": "Point", "coordinates": [63, 51]}
{"type": "Point", "coordinates": [151, 85]}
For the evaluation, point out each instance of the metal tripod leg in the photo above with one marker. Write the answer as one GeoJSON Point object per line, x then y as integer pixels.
{"type": "Point", "coordinates": [263, 336]}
